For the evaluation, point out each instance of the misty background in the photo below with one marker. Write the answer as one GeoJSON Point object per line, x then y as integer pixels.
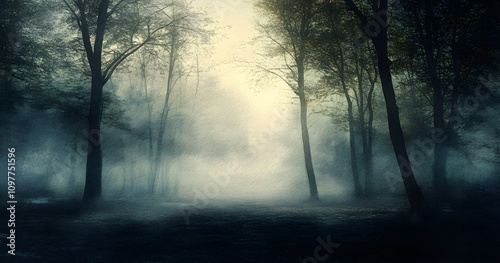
{"type": "Point", "coordinates": [226, 120]}
{"type": "Point", "coordinates": [250, 131]}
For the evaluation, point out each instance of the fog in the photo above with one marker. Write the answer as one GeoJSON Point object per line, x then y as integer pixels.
{"type": "Point", "coordinates": [231, 125]}
{"type": "Point", "coordinates": [232, 133]}
{"type": "Point", "coordinates": [232, 140]}
{"type": "Point", "coordinates": [245, 136]}
{"type": "Point", "coordinates": [204, 142]}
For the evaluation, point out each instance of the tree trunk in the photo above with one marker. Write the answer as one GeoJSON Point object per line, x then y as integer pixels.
{"type": "Point", "coordinates": [313, 189]}
{"type": "Point", "coordinates": [307, 150]}
{"type": "Point", "coordinates": [150, 122]}
{"type": "Point", "coordinates": [379, 41]}
{"type": "Point", "coordinates": [369, 143]}
{"type": "Point", "coordinates": [441, 185]}
{"type": "Point", "coordinates": [439, 167]}
{"type": "Point", "coordinates": [172, 59]}
{"type": "Point", "coordinates": [427, 34]}
{"type": "Point", "coordinates": [144, 76]}
{"type": "Point", "coordinates": [415, 197]}
{"type": "Point", "coordinates": [72, 179]}
{"type": "Point", "coordinates": [93, 174]}
{"type": "Point", "coordinates": [352, 143]}
{"type": "Point", "coordinates": [368, 155]}
{"type": "Point", "coordinates": [362, 126]}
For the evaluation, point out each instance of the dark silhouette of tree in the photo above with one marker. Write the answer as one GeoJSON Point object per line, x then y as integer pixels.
{"type": "Point", "coordinates": [376, 30]}
{"type": "Point", "coordinates": [456, 42]}
{"type": "Point", "coordinates": [111, 31]}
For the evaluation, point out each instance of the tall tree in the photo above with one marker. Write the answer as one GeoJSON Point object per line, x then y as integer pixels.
{"type": "Point", "coordinates": [110, 31]}
{"type": "Point", "coordinates": [428, 32]}
{"type": "Point", "coordinates": [169, 58]}
{"type": "Point", "coordinates": [455, 40]}
{"type": "Point", "coordinates": [330, 55]}
{"type": "Point", "coordinates": [366, 66]}
{"type": "Point", "coordinates": [343, 64]}
{"type": "Point", "coordinates": [291, 24]}
{"type": "Point", "coordinates": [376, 30]}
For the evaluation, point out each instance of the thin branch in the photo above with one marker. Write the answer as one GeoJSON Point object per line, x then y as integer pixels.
{"type": "Point", "coordinates": [73, 12]}
{"type": "Point", "coordinates": [114, 8]}
{"type": "Point", "coordinates": [280, 76]}
{"type": "Point", "coordinates": [125, 54]}
{"type": "Point", "coordinates": [279, 44]}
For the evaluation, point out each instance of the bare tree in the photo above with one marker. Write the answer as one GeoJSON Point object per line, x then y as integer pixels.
{"type": "Point", "coordinates": [169, 57]}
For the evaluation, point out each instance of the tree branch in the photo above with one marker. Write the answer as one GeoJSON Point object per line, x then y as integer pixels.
{"type": "Point", "coordinates": [73, 12]}
{"type": "Point", "coordinates": [279, 76]}
{"type": "Point", "coordinates": [352, 6]}
{"type": "Point", "coordinates": [131, 50]}
{"type": "Point", "coordinates": [114, 8]}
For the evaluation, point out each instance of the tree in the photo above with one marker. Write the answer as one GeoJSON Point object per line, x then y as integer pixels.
{"type": "Point", "coordinates": [345, 65]}
{"type": "Point", "coordinates": [117, 29]}
{"type": "Point", "coordinates": [24, 66]}
{"type": "Point", "coordinates": [291, 23]}
{"type": "Point", "coordinates": [169, 58]}
{"type": "Point", "coordinates": [376, 30]}
{"type": "Point", "coordinates": [366, 66]}
{"type": "Point", "coordinates": [455, 40]}
{"type": "Point", "coordinates": [330, 56]}
{"type": "Point", "coordinates": [175, 43]}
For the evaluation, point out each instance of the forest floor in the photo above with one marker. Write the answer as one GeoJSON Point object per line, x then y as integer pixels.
{"type": "Point", "coordinates": [348, 231]}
